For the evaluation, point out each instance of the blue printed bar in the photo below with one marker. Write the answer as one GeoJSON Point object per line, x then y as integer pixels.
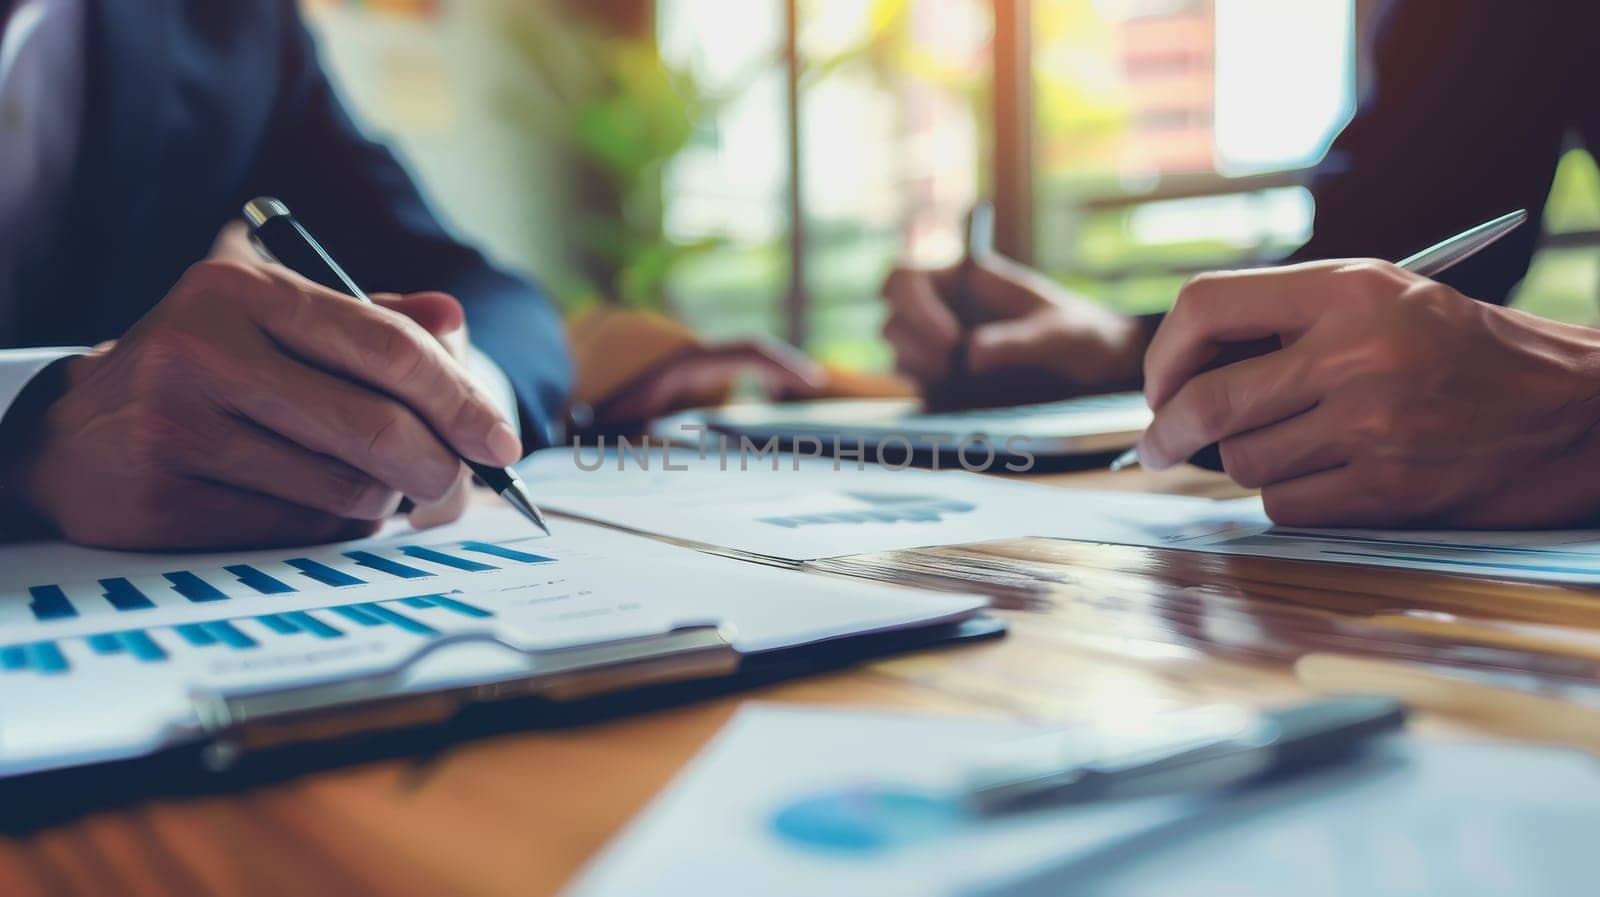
{"type": "Point", "coordinates": [261, 582]}
{"type": "Point", "coordinates": [105, 643]}
{"type": "Point", "coordinates": [384, 565]}
{"type": "Point", "coordinates": [50, 603]}
{"type": "Point", "coordinates": [444, 560]}
{"type": "Point", "coordinates": [229, 634]}
{"type": "Point", "coordinates": [395, 618]}
{"type": "Point", "coordinates": [195, 634]}
{"type": "Point", "coordinates": [308, 623]}
{"type": "Point", "coordinates": [460, 607]}
{"type": "Point", "coordinates": [13, 657]}
{"type": "Point", "coordinates": [323, 573]}
{"type": "Point", "coordinates": [417, 601]}
{"type": "Point", "coordinates": [46, 657]}
{"type": "Point", "coordinates": [194, 588]}
{"type": "Point", "coordinates": [124, 595]}
{"type": "Point", "coordinates": [357, 615]}
{"type": "Point", "coordinates": [277, 623]}
{"type": "Point", "coordinates": [510, 554]}
{"type": "Point", "coordinates": [142, 646]}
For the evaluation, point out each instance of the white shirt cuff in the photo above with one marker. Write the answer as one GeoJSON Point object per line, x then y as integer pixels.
{"type": "Point", "coordinates": [18, 367]}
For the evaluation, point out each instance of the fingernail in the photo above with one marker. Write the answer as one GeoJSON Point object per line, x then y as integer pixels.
{"type": "Point", "coordinates": [504, 444]}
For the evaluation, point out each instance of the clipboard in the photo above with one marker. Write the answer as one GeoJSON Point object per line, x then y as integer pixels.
{"type": "Point", "coordinates": [256, 737]}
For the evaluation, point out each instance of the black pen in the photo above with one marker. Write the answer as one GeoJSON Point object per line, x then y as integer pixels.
{"type": "Point", "coordinates": [292, 246]}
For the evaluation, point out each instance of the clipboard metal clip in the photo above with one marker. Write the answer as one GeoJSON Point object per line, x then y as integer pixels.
{"type": "Point", "coordinates": [240, 720]}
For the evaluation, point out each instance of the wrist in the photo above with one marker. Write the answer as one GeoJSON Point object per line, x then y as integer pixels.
{"type": "Point", "coordinates": [23, 431]}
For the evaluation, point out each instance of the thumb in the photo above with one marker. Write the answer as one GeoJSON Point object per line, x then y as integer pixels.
{"type": "Point", "coordinates": [438, 313]}
{"type": "Point", "coordinates": [1012, 343]}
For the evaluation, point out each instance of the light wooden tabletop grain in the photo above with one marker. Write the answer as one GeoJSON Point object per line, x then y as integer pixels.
{"type": "Point", "coordinates": [519, 814]}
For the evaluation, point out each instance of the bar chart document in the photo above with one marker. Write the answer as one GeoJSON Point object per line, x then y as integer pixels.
{"type": "Point", "coordinates": [102, 652]}
{"type": "Point", "coordinates": [799, 509]}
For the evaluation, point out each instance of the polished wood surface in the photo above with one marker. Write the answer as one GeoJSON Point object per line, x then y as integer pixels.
{"type": "Point", "coordinates": [1117, 631]}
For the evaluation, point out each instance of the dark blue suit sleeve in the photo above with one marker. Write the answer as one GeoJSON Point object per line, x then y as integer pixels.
{"type": "Point", "coordinates": [355, 196]}
{"type": "Point", "coordinates": [1464, 122]}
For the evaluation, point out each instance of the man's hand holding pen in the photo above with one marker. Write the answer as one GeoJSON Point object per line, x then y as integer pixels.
{"type": "Point", "coordinates": [1395, 400]}
{"type": "Point", "coordinates": [253, 407]}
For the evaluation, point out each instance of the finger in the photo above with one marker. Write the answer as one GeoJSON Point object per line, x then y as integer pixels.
{"type": "Point", "coordinates": [1235, 306]}
{"type": "Point", "coordinates": [1227, 402]}
{"type": "Point", "coordinates": [448, 509]}
{"type": "Point", "coordinates": [437, 313]}
{"type": "Point", "coordinates": [1297, 447]}
{"type": "Point", "coordinates": [1333, 498]}
{"type": "Point", "coordinates": [387, 351]}
{"type": "Point", "coordinates": [924, 314]}
{"type": "Point", "coordinates": [246, 456]}
{"type": "Point", "coordinates": [912, 355]}
{"type": "Point", "coordinates": [1004, 289]}
{"type": "Point", "coordinates": [214, 517]}
{"type": "Point", "coordinates": [1014, 343]}
{"type": "Point", "coordinates": [233, 244]}
{"type": "Point", "coordinates": [781, 366]}
{"type": "Point", "coordinates": [366, 430]}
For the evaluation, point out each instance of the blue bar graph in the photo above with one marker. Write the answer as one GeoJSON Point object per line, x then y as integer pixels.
{"type": "Point", "coordinates": [124, 595]}
{"type": "Point", "coordinates": [105, 643]}
{"type": "Point", "coordinates": [510, 554]}
{"type": "Point", "coordinates": [460, 607]}
{"type": "Point", "coordinates": [445, 560]}
{"type": "Point", "coordinates": [13, 657]}
{"type": "Point", "coordinates": [323, 573]}
{"type": "Point", "coordinates": [308, 623]}
{"type": "Point", "coordinates": [261, 582]}
{"type": "Point", "coordinates": [194, 588]}
{"type": "Point", "coordinates": [278, 623]}
{"type": "Point", "coordinates": [395, 618]}
{"type": "Point", "coordinates": [384, 565]}
{"type": "Point", "coordinates": [142, 646]}
{"type": "Point", "coordinates": [46, 657]}
{"type": "Point", "coordinates": [195, 634]}
{"type": "Point", "coordinates": [50, 603]}
{"type": "Point", "coordinates": [356, 614]}
{"type": "Point", "coordinates": [229, 635]}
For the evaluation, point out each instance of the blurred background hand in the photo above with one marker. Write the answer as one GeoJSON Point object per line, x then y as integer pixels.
{"type": "Point", "coordinates": [992, 332]}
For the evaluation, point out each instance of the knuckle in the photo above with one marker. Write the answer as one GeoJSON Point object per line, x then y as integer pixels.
{"type": "Point", "coordinates": [154, 440]}
{"type": "Point", "coordinates": [1242, 464]}
{"type": "Point", "coordinates": [386, 432]}
{"type": "Point", "coordinates": [398, 350]}
{"type": "Point", "coordinates": [1284, 509]}
{"type": "Point", "coordinates": [354, 496]}
{"type": "Point", "coordinates": [1213, 403]}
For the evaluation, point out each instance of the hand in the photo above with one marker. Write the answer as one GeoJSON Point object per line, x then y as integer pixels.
{"type": "Point", "coordinates": [1024, 338]}
{"type": "Point", "coordinates": [1395, 400]}
{"type": "Point", "coordinates": [252, 407]}
{"type": "Point", "coordinates": [438, 313]}
{"type": "Point", "coordinates": [703, 375]}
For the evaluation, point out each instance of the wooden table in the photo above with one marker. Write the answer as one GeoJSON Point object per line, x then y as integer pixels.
{"type": "Point", "coordinates": [519, 814]}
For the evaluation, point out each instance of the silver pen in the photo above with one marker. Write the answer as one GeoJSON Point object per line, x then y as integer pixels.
{"type": "Point", "coordinates": [277, 231]}
{"type": "Point", "coordinates": [1436, 259]}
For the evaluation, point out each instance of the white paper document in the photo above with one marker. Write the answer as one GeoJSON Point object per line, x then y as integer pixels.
{"type": "Point", "coordinates": [798, 509]}
{"type": "Point", "coordinates": [791, 801]}
{"type": "Point", "coordinates": [100, 651]}
{"type": "Point", "coordinates": [801, 509]}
